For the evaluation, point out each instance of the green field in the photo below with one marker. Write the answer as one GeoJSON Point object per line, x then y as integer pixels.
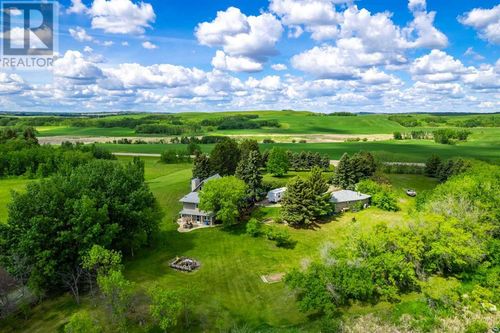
{"type": "Point", "coordinates": [396, 151]}
{"type": "Point", "coordinates": [228, 285]}
{"type": "Point", "coordinates": [84, 131]}
{"type": "Point", "coordinates": [291, 122]}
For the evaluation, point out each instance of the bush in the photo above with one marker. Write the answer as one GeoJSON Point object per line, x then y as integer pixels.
{"type": "Point", "coordinates": [441, 292]}
{"type": "Point", "coordinates": [280, 236]}
{"type": "Point", "coordinates": [477, 326]}
{"type": "Point", "coordinates": [254, 227]}
{"type": "Point", "coordinates": [382, 195]}
{"type": "Point", "coordinates": [385, 200]}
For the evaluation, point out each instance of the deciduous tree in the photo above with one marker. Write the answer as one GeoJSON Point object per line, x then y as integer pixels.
{"type": "Point", "coordinates": [58, 220]}
{"type": "Point", "coordinates": [224, 157]}
{"type": "Point", "coordinates": [225, 197]}
{"type": "Point", "coordinates": [277, 162]}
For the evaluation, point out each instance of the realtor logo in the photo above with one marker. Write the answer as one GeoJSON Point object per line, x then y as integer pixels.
{"type": "Point", "coordinates": [29, 30]}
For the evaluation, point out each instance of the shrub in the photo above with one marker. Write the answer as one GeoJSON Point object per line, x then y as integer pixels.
{"type": "Point", "coordinates": [254, 227]}
{"type": "Point", "coordinates": [385, 200]}
{"type": "Point", "coordinates": [382, 195]}
{"type": "Point", "coordinates": [397, 136]}
{"type": "Point", "coordinates": [280, 236]}
{"type": "Point", "coordinates": [441, 292]}
{"type": "Point", "coordinates": [477, 326]}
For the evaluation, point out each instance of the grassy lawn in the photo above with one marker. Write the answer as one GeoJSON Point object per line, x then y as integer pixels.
{"type": "Point", "coordinates": [6, 186]}
{"type": "Point", "coordinates": [228, 285]}
{"type": "Point", "coordinates": [484, 147]}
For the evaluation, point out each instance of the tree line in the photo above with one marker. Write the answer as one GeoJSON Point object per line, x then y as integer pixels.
{"type": "Point", "coordinates": [21, 154]}
{"type": "Point", "coordinates": [442, 170]}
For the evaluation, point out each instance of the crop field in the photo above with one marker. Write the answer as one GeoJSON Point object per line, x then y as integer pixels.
{"type": "Point", "coordinates": [228, 285]}
{"type": "Point", "coordinates": [290, 123]}
{"type": "Point", "coordinates": [84, 131]}
{"type": "Point", "coordinates": [397, 151]}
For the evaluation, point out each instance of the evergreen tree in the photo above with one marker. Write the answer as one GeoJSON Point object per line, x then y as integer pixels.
{"type": "Point", "coordinates": [344, 173]}
{"type": "Point", "coordinates": [432, 165]}
{"type": "Point", "coordinates": [319, 187]}
{"type": "Point", "coordinates": [247, 146]}
{"type": "Point", "coordinates": [248, 170]}
{"type": "Point", "coordinates": [297, 203]}
{"type": "Point", "coordinates": [201, 166]}
{"type": "Point", "coordinates": [277, 163]}
{"type": "Point", "coordinates": [225, 157]}
{"type": "Point", "coordinates": [193, 148]}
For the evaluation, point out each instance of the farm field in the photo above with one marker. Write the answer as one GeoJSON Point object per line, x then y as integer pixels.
{"type": "Point", "coordinates": [228, 285]}
{"type": "Point", "coordinates": [83, 131]}
{"type": "Point", "coordinates": [391, 151]}
{"type": "Point", "coordinates": [291, 123]}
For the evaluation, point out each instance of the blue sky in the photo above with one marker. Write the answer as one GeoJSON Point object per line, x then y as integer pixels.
{"type": "Point", "coordinates": [319, 55]}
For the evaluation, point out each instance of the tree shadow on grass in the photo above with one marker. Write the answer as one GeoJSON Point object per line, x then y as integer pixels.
{"type": "Point", "coordinates": [237, 229]}
{"type": "Point", "coordinates": [152, 261]}
{"type": "Point", "coordinates": [290, 245]}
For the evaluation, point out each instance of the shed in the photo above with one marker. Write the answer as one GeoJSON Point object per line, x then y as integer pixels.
{"type": "Point", "coordinates": [346, 199]}
{"type": "Point", "coordinates": [276, 195]}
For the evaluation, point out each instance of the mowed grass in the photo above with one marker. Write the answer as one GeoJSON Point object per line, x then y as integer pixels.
{"type": "Point", "coordinates": [483, 147]}
{"type": "Point", "coordinates": [6, 187]}
{"type": "Point", "coordinates": [228, 287]}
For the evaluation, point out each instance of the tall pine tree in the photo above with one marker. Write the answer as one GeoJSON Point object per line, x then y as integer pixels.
{"type": "Point", "coordinates": [345, 176]}
{"type": "Point", "coordinates": [247, 146]}
{"type": "Point", "coordinates": [248, 170]}
{"type": "Point", "coordinates": [321, 205]}
{"type": "Point", "coordinates": [201, 166]}
{"type": "Point", "coordinates": [297, 203]}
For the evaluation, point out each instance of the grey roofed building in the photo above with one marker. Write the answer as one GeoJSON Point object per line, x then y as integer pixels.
{"type": "Point", "coordinates": [190, 211]}
{"type": "Point", "coordinates": [191, 197]}
{"type": "Point", "coordinates": [344, 199]}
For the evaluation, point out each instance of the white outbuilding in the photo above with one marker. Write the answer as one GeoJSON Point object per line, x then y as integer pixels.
{"type": "Point", "coordinates": [276, 195]}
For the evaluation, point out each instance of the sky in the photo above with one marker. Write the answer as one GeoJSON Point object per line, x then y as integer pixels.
{"type": "Point", "coordinates": [317, 55]}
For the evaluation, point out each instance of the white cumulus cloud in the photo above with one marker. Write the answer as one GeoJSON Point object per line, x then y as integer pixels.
{"type": "Point", "coordinates": [485, 21]}
{"type": "Point", "coordinates": [244, 39]}
{"type": "Point", "coordinates": [80, 34]}
{"type": "Point", "coordinates": [148, 45]}
{"type": "Point", "coordinates": [121, 16]}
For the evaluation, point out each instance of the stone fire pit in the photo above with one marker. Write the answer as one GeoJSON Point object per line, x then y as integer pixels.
{"type": "Point", "coordinates": [184, 264]}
